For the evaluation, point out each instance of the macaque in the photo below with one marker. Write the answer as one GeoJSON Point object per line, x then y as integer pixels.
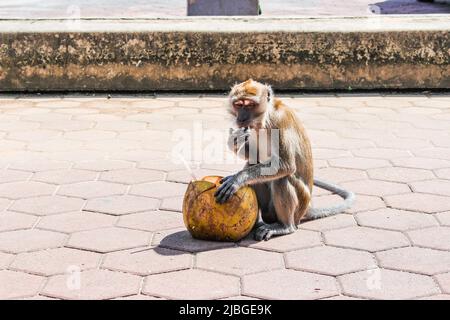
{"type": "Point", "coordinates": [282, 175]}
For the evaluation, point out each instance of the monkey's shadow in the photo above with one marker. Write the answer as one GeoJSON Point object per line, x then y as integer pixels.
{"type": "Point", "coordinates": [181, 242]}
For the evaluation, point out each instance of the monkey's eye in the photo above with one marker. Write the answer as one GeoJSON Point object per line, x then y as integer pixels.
{"type": "Point", "coordinates": [238, 104]}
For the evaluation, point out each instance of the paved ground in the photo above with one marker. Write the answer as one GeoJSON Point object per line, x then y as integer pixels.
{"type": "Point", "coordinates": [90, 202]}
{"type": "Point", "coordinates": [166, 8]}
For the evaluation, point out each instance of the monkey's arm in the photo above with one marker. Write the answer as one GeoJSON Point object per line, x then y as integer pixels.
{"type": "Point", "coordinates": [270, 170]}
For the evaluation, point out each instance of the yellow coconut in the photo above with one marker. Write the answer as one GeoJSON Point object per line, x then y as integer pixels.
{"type": "Point", "coordinates": [208, 220]}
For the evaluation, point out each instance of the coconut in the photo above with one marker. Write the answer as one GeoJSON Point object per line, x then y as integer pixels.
{"type": "Point", "coordinates": [208, 220]}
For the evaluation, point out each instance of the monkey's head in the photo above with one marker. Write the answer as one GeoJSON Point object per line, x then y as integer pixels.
{"type": "Point", "coordinates": [249, 102]}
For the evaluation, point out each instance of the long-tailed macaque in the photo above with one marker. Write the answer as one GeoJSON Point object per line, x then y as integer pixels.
{"type": "Point", "coordinates": [283, 179]}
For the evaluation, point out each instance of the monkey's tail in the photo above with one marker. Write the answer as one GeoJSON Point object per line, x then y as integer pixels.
{"type": "Point", "coordinates": [348, 196]}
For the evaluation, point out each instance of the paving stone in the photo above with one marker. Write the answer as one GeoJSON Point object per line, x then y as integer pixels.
{"type": "Point", "coordinates": [89, 135]}
{"type": "Point", "coordinates": [34, 135]}
{"type": "Point", "coordinates": [39, 165]}
{"type": "Point", "coordinates": [65, 176]}
{"type": "Point", "coordinates": [417, 260]}
{"type": "Point", "coordinates": [394, 219]}
{"type": "Point", "coordinates": [365, 203]}
{"type": "Point", "coordinates": [13, 176]}
{"type": "Point", "coordinates": [103, 165]}
{"type": "Point", "coordinates": [341, 297]}
{"type": "Point", "coordinates": [437, 297]}
{"type": "Point", "coordinates": [132, 176]}
{"type": "Point", "coordinates": [152, 220]}
{"type": "Point", "coordinates": [420, 202]}
{"type": "Point", "coordinates": [76, 221]}
{"type": "Point", "coordinates": [328, 223]}
{"type": "Point", "coordinates": [435, 153]}
{"type": "Point", "coordinates": [30, 240]}
{"type": "Point", "coordinates": [13, 221]}
{"type": "Point", "coordinates": [240, 298]}
{"type": "Point", "coordinates": [440, 187]}
{"type": "Point", "coordinates": [172, 204]}
{"type": "Point", "coordinates": [396, 174]}
{"type": "Point", "coordinates": [47, 205]}
{"type": "Point", "coordinates": [93, 285]}
{"type": "Point", "coordinates": [243, 261]}
{"type": "Point", "coordinates": [387, 284]}
{"type": "Point", "coordinates": [147, 261]}
{"type": "Point", "coordinates": [120, 205]}
{"type": "Point", "coordinates": [183, 176]}
{"type": "Point", "coordinates": [108, 239]}
{"type": "Point", "coordinates": [55, 261]}
{"type": "Point", "coordinates": [4, 204]}
{"type": "Point", "coordinates": [329, 260]}
{"type": "Point", "coordinates": [5, 260]}
{"type": "Point", "coordinates": [294, 241]}
{"type": "Point", "coordinates": [443, 173]}
{"type": "Point", "coordinates": [421, 163]}
{"type": "Point", "coordinates": [434, 238]}
{"type": "Point", "coordinates": [18, 285]}
{"type": "Point", "coordinates": [376, 187]}
{"type": "Point", "coordinates": [444, 218]}
{"type": "Point", "coordinates": [338, 175]}
{"type": "Point", "coordinates": [162, 189]}
{"type": "Point", "coordinates": [92, 189]}
{"type": "Point", "coordinates": [180, 239]}
{"type": "Point", "coordinates": [191, 284]}
{"type": "Point", "coordinates": [381, 153]}
{"type": "Point", "coordinates": [26, 189]}
{"type": "Point", "coordinates": [363, 238]}
{"type": "Point", "coordinates": [289, 285]}
{"type": "Point", "coordinates": [444, 282]}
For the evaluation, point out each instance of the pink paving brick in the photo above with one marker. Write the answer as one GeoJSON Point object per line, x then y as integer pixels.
{"type": "Point", "coordinates": [289, 285]}
{"type": "Point", "coordinates": [191, 284]}
{"type": "Point", "coordinates": [19, 285]}
{"type": "Point", "coordinates": [387, 284]}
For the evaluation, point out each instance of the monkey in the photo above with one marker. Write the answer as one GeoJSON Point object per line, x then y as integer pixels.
{"type": "Point", "coordinates": [283, 177]}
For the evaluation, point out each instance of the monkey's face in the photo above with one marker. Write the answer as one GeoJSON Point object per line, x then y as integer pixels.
{"type": "Point", "coordinates": [248, 103]}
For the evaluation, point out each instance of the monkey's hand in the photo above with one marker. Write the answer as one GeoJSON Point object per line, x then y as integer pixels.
{"type": "Point", "coordinates": [229, 186]}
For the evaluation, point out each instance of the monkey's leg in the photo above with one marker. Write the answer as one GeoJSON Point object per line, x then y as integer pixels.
{"type": "Point", "coordinates": [266, 208]}
{"type": "Point", "coordinates": [285, 201]}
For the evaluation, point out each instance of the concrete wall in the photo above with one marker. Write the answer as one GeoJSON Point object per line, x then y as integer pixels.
{"type": "Point", "coordinates": [192, 55]}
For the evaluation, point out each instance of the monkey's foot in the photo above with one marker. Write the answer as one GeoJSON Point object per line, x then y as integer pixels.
{"type": "Point", "coordinates": [267, 231]}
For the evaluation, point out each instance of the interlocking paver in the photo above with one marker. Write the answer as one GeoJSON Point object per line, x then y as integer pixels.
{"type": "Point", "coordinates": [435, 238]}
{"type": "Point", "coordinates": [300, 239]}
{"type": "Point", "coordinates": [55, 261]}
{"type": "Point", "coordinates": [25, 189]}
{"type": "Point", "coordinates": [396, 174]}
{"type": "Point", "coordinates": [148, 261]}
{"type": "Point", "coordinates": [5, 260]}
{"type": "Point", "coordinates": [92, 189]}
{"type": "Point", "coordinates": [440, 187]}
{"type": "Point", "coordinates": [162, 189]}
{"type": "Point", "coordinates": [387, 284]}
{"type": "Point", "coordinates": [10, 221]}
{"type": "Point", "coordinates": [180, 239]}
{"type": "Point", "coordinates": [329, 260]}
{"type": "Point", "coordinates": [364, 238]}
{"type": "Point", "coordinates": [76, 221]}
{"type": "Point", "coordinates": [47, 205]}
{"type": "Point", "coordinates": [289, 285]}
{"type": "Point", "coordinates": [376, 187]}
{"type": "Point", "coordinates": [132, 176]}
{"type": "Point", "coordinates": [191, 284]}
{"type": "Point", "coordinates": [64, 176]}
{"type": "Point", "coordinates": [152, 221]}
{"type": "Point", "coordinates": [92, 285]}
{"type": "Point", "coordinates": [89, 177]}
{"type": "Point", "coordinates": [120, 205]}
{"type": "Point", "coordinates": [30, 240]}
{"type": "Point", "coordinates": [18, 285]}
{"type": "Point", "coordinates": [444, 282]}
{"type": "Point", "coordinates": [108, 239]}
{"type": "Point", "coordinates": [421, 202]}
{"type": "Point", "coordinates": [417, 260]}
{"type": "Point", "coordinates": [394, 219]}
{"type": "Point", "coordinates": [244, 260]}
